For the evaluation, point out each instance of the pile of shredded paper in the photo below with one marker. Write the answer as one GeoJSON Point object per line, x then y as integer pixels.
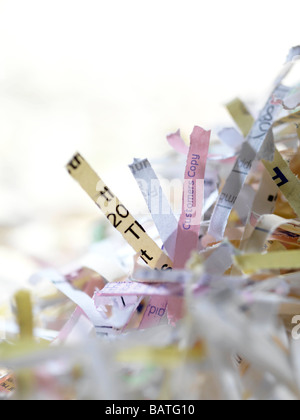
{"type": "Point", "coordinates": [201, 306]}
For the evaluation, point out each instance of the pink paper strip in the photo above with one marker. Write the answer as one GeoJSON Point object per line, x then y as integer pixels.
{"type": "Point", "coordinates": [175, 309]}
{"type": "Point", "coordinates": [176, 141]}
{"type": "Point", "coordinates": [137, 289]}
{"type": "Point", "coordinates": [154, 313]}
{"type": "Point", "coordinates": [193, 197]}
{"type": "Point", "coordinates": [156, 309]}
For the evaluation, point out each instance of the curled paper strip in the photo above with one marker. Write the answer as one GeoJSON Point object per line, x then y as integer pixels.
{"type": "Point", "coordinates": [77, 296]}
{"type": "Point", "coordinates": [126, 297]}
{"type": "Point", "coordinates": [176, 141]}
{"type": "Point", "coordinates": [290, 103]}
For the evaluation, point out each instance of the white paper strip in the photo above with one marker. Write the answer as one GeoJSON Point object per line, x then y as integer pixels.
{"type": "Point", "coordinates": [243, 165]}
{"type": "Point", "coordinates": [158, 205]}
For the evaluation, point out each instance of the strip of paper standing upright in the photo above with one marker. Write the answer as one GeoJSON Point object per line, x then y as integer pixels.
{"type": "Point", "coordinates": [285, 180]}
{"type": "Point", "coordinates": [243, 165]}
{"type": "Point", "coordinates": [193, 196]}
{"type": "Point", "coordinates": [117, 214]}
{"type": "Point", "coordinates": [157, 203]}
{"type": "Point", "coordinates": [251, 147]}
{"type": "Point", "coordinates": [278, 169]}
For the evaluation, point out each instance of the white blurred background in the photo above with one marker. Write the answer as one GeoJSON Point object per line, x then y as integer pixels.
{"type": "Point", "coordinates": [111, 79]}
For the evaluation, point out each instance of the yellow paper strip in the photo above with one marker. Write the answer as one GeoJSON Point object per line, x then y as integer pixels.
{"type": "Point", "coordinates": [293, 117]}
{"type": "Point", "coordinates": [9, 351]}
{"type": "Point", "coordinates": [266, 225]}
{"type": "Point", "coordinates": [279, 170]}
{"type": "Point", "coordinates": [166, 357]}
{"type": "Point", "coordinates": [250, 263]}
{"type": "Point", "coordinates": [241, 115]}
{"type": "Point", "coordinates": [285, 180]}
{"type": "Point", "coordinates": [24, 314]}
{"type": "Point", "coordinates": [244, 120]}
{"type": "Point", "coordinates": [117, 214]}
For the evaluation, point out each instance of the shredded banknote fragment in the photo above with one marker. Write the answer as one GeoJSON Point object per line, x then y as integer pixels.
{"type": "Point", "coordinates": [200, 303]}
